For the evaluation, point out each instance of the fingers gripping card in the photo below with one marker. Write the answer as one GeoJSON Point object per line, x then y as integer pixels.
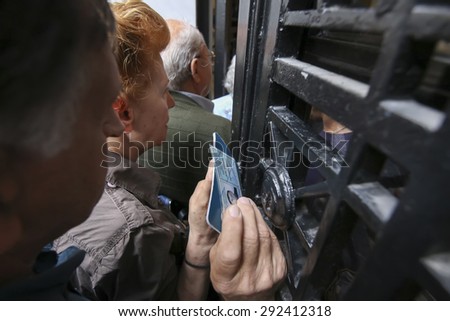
{"type": "Point", "coordinates": [226, 187]}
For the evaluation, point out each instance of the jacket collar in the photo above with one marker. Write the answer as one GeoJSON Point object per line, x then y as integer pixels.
{"type": "Point", "coordinates": [203, 102]}
{"type": "Point", "coordinates": [142, 182]}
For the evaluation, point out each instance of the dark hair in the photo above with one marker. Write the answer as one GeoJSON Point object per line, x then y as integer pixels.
{"type": "Point", "coordinates": [43, 67]}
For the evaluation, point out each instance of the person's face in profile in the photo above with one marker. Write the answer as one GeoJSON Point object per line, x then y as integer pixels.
{"type": "Point", "coordinates": [152, 112]}
{"type": "Point", "coordinates": [205, 65]}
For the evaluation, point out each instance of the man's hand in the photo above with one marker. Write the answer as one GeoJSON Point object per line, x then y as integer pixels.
{"type": "Point", "coordinates": [200, 235]}
{"type": "Point", "coordinates": [246, 262]}
{"type": "Point", "coordinates": [193, 280]}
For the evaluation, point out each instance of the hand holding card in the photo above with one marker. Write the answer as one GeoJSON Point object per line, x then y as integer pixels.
{"type": "Point", "coordinates": [226, 187]}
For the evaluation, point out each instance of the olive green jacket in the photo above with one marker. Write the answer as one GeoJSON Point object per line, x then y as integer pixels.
{"type": "Point", "coordinates": [182, 160]}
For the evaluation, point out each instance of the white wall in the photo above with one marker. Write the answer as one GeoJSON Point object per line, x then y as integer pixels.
{"type": "Point", "coordinates": [177, 9]}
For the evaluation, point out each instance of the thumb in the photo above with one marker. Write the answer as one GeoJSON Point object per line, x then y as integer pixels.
{"type": "Point", "coordinates": [227, 254]}
{"type": "Point", "coordinates": [209, 173]}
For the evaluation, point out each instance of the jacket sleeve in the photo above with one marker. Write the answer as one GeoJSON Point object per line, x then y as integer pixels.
{"type": "Point", "coordinates": [145, 271]}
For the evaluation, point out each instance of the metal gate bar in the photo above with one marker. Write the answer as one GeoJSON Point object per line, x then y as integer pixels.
{"type": "Point", "coordinates": [400, 221]}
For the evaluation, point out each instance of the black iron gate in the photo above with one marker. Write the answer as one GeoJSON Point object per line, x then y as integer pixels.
{"type": "Point", "coordinates": [377, 223]}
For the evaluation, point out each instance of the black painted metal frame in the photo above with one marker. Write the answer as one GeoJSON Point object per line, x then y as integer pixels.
{"type": "Point", "coordinates": [409, 252]}
{"type": "Point", "coordinates": [225, 41]}
{"type": "Point", "coordinates": [217, 21]}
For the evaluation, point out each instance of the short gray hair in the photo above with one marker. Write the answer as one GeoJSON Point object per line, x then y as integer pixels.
{"type": "Point", "coordinates": [228, 82]}
{"type": "Point", "coordinates": [43, 63]}
{"type": "Point", "coordinates": [184, 46]}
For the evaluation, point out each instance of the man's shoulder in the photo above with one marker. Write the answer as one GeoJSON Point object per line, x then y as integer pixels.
{"type": "Point", "coordinates": [123, 212]}
{"type": "Point", "coordinates": [189, 117]}
{"type": "Point", "coordinates": [208, 117]}
{"type": "Point", "coordinates": [197, 116]}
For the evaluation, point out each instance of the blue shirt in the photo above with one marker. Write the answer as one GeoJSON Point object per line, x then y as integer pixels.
{"type": "Point", "coordinates": [223, 106]}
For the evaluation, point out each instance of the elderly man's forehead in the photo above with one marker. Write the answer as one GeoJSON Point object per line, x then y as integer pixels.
{"type": "Point", "coordinates": [176, 26]}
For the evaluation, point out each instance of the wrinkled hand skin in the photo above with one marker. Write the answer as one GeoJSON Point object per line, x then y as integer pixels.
{"type": "Point", "coordinates": [246, 262]}
{"type": "Point", "coordinates": [198, 206]}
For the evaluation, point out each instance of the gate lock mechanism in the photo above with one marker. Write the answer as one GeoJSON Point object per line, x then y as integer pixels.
{"type": "Point", "coordinates": [277, 197]}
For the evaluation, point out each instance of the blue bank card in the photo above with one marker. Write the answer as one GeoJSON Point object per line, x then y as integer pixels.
{"type": "Point", "coordinates": [226, 186]}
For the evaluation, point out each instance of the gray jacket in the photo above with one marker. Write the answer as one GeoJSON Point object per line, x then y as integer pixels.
{"type": "Point", "coordinates": [131, 244]}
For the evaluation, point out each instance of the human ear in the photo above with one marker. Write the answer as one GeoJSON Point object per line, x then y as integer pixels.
{"type": "Point", "coordinates": [122, 107]}
{"type": "Point", "coordinates": [194, 70]}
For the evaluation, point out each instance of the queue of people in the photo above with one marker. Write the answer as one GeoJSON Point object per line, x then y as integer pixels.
{"type": "Point", "coordinates": [84, 93]}
{"type": "Point", "coordinates": [182, 160]}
